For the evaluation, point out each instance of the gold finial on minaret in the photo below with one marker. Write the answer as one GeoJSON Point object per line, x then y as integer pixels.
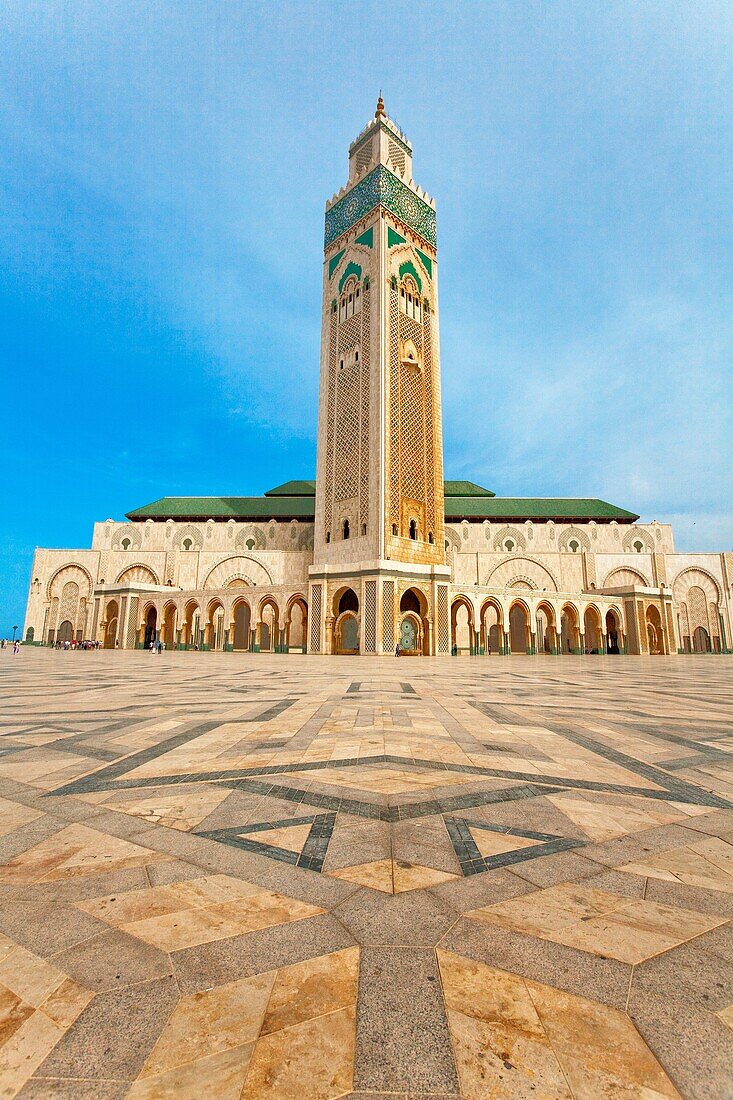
{"type": "Point", "coordinates": [380, 111]}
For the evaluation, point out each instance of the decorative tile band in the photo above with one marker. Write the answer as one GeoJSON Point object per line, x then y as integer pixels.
{"type": "Point", "coordinates": [381, 188]}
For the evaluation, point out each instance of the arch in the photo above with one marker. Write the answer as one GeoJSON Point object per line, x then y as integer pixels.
{"type": "Point", "coordinates": [520, 639]}
{"type": "Point", "coordinates": [408, 269]}
{"type": "Point", "coordinates": [126, 533]}
{"type": "Point", "coordinates": [504, 536]}
{"type": "Point", "coordinates": [214, 625]}
{"type": "Point", "coordinates": [346, 633]}
{"type": "Point", "coordinates": [570, 628]}
{"type": "Point", "coordinates": [30, 634]}
{"type": "Point", "coordinates": [573, 535]}
{"type": "Point", "coordinates": [613, 630]}
{"type": "Point", "coordinates": [462, 626]}
{"type": "Point", "coordinates": [191, 626]}
{"type": "Point", "coordinates": [250, 538]}
{"type": "Point", "coordinates": [545, 630]}
{"type": "Point", "coordinates": [168, 631]}
{"type": "Point", "coordinates": [242, 619]}
{"type": "Point", "coordinates": [592, 629]}
{"type": "Point", "coordinates": [624, 577]}
{"type": "Point", "coordinates": [65, 632]}
{"type": "Point", "coordinates": [268, 626]}
{"type": "Point", "coordinates": [633, 536]}
{"type": "Point", "coordinates": [150, 626]}
{"type": "Point", "coordinates": [237, 567]}
{"type": "Point", "coordinates": [73, 572]}
{"type": "Point", "coordinates": [111, 621]}
{"type": "Point", "coordinates": [350, 269]}
{"type": "Point", "coordinates": [410, 601]}
{"type": "Point", "coordinates": [296, 623]}
{"type": "Point", "coordinates": [345, 599]}
{"type": "Point", "coordinates": [701, 578]}
{"type": "Point", "coordinates": [491, 624]}
{"type": "Point", "coordinates": [654, 631]}
{"type": "Point", "coordinates": [190, 534]}
{"type": "Point", "coordinates": [528, 570]}
{"type": "Point", "coordinates": [139, 573]}
{"type": "Point", "coordinates": [701, 640]}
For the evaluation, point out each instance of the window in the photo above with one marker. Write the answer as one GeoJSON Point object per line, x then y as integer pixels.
{"type": "Point", "coordinates": [346, 529]}
{"type": "Point", "coordinates": [638, 546]}
{"type": "Point", "coordinates": [363, 528]}
{"type": "Point", "coordinates": [356, 355]}
{"type": "Point", "coordinates": [328, 536]}
{"type": "Point", "coordinates": [126, 544]}
{"type": "Point", "coordinates": [394, 528]}
{"type": "Point", "coordinates": [413, 529]}
{"type": "Point", "coordinates": [509, 545]}
{"type": "Point", "coordinates": [574, 546]}
{"type": "Point", "coordinates": [431, 537]}
{"type": "Point", "coordinates": [250, 544]}
{"type": "Point", "coordinates": [187, 544]}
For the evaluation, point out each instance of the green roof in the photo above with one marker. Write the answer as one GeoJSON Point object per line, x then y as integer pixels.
{"type": "Point", "coordinates": [198, 508]}
{"type": "Point", "coordinates": [538, 508]}
{"type": "Point", "coordinates": [293, 489]}
{"type": "Point", "coordinates": [463, 500]}
{"type": "Point", "coordinates": [465, 489]}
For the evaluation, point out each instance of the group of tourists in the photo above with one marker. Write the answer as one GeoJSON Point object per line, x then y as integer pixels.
{"type": "Point", "coordinates": [16, 645]}
{"type": "Point", "coordinates": [73, 644]}
{"type": "Point", "coordinates": [157, 647]}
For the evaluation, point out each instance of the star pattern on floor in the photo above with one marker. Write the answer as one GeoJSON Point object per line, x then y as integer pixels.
{"type": "Point", "coordinates": [234, 876]}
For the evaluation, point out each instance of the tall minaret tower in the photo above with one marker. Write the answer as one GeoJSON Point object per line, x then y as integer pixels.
{"type": "Point", "coordinates": [379, 497]}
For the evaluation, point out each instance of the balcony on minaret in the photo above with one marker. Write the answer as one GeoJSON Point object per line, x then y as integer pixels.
{"type": "Point", "coordinates": [380, 142]}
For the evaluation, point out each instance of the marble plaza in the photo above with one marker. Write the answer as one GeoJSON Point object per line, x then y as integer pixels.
{"type": "Point", "coordinates": [244, 875]}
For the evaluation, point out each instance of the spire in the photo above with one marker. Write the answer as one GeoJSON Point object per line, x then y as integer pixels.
{"type": "Point", "coordinates": [380, 111]}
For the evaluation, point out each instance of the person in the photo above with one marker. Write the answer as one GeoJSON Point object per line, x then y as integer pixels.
{"type": "Point", "coordinates": [397, 650]}
{"type": "Point", "coordinates": [16, 647]}
{"type": "Point", "coordinates": [161, 646]}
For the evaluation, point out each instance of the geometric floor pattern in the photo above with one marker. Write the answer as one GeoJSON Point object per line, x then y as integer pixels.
{"type": "Point", "coordinates": [240, 876]}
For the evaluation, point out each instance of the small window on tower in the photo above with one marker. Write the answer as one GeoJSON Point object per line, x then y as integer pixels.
{"type": "Point", "coordinates": [346, 529]}
{"type": "Point", "coordinates": [328, 536]}
{"type": "Point", "coordinates": [363, 528]}
{"type": "Point", "coordinates": [250, 544]}
{"type": "Point", "coordinates": [394, 528]}
{"type": "Point", "coordinates": [413, 529]}
{"type": "Point", "coordinates": [574, 546]}
{"type": "Point", "coordinates": [357, 355]}
{"type": "Point", "coordinates": [509, 545]}
{"type": "Point", "coordinates": [125, 544]}
{"type": "Point", "coordinates": [187, 544]}
{"type": "Point", "coordinates": [638, 546]}
{"type": "Point", "coordinates": [431, 537]}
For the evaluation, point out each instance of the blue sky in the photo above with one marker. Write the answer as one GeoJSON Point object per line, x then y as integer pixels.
{"type": "Point", "coordinates": [162, 186]}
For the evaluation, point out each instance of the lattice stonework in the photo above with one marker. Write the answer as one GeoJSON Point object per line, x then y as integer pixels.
{"type": "Point", "coordinates": [388, 616]}
{"type": "Point", "coordinates": [698, 609]}
{"type": "Point", "coordinates": [394, 408]}
{"type": "Point", "coordinates": [132, 620]}
{"type": "Point", "coordinates": [348, 408]}
{"type": "Point", "coordinates": [331, 401]}
{"type": "Point", "coordinates": [433, 520]}
{"type": "Point", "coordinates": [69, 603]}
{"type": "Point", "coordinates": [443, 621]}
{"type": "Point", "coordinates": [365, 398]}
{"type": "Point", "coordinates": [413, 432]}
{"type": "Point", "coordinates": [370, 616]}
{"type": "Point", "coordinates": [315, 615]}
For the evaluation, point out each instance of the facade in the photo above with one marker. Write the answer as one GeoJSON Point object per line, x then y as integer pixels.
{"type": "Point", "coordinates": [379, 550]}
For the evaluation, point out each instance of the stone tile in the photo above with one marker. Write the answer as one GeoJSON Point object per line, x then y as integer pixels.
{"type": "Point", "coordinates": [77, 1089]}
{"type": "Point", "coordinates": [114, 1035]}
{"type": "Point", "coordinates": [402, 1036]}
{"type": "Point", "coordinates": [415, 918]}
{"type": "Point", "coordinates": [312, 988]}
{"type": "Point", "coordinates": [113, 960]}
{"type": "Point", "coordinates": [312, 1060]}
{"type": "Point", "coordinates": [222, 961]}
{"type": "Point", "coordinates": [605, 980]}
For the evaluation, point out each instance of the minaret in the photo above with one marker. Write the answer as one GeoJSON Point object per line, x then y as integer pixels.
{"type": "Point", "coordinates": [379, 497]}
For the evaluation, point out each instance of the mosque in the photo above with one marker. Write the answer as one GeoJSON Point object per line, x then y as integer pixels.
{"type": "Point", "coordinates": [380, 550]}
